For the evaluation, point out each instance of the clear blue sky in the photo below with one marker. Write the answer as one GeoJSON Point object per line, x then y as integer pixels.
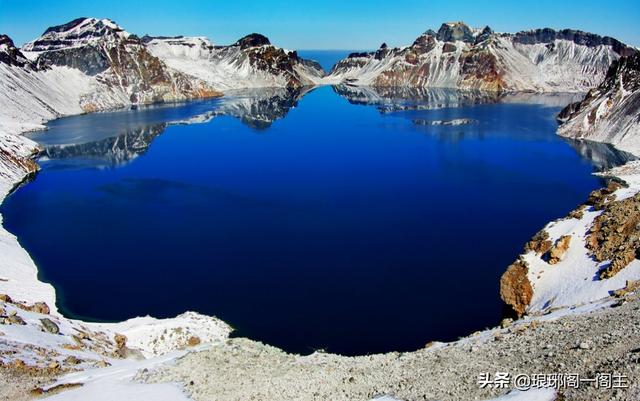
{"type": "Point", "coordinates": [329, 24]}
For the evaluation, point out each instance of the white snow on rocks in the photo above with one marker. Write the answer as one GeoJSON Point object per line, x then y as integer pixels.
{"type": "Point", "coordinates": [574, 279]}
{"type": "Point", "coordinates": [77, 33]}
{"type": "Point", "coordinates": [118, 383]}
{"type": "Point", "coordinates": [559, 65]}
{"type": "Point", "coordinates": [562, 66]}
{"type": "Point", "coordinates": [31, 98]}
{"type": "Point", "coordinates": [159, 336]}
{"type": "Point", "coordinates": [609, 113]}
{"type": "Point", "coordinates": [225, 67]}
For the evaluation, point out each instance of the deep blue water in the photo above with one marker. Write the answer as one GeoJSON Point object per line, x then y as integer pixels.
{"type": "Point", "coordinates": [305, 221]}
{"type": "Point", "coordinates": [326, 58]}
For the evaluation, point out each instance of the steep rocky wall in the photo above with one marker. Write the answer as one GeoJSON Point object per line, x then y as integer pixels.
{"type": "Point", "coordinates": [457, 56]}
{"type": "Point", "coordinates": [610, 112]}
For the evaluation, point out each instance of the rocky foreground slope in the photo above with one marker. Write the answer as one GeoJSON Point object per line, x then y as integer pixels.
{"type": "Point", "coordinates": [457, 56]}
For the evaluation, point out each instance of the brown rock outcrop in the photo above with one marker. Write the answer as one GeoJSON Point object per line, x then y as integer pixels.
{"type": "Point", "coordinates": [615, 235]}
{"type": "Point", "coordinates": [540, 243]}
{"type": "Point", "coordinates": [121, 345]}
{"type": "Point", "coordinates": [600, 197]}
{"type": "Point", "coordinates": [515, 288]}
{"type": "Point", "coordinates": [559, 248]}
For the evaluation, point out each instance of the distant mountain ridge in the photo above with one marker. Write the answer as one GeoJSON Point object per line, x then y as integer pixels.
{"type": "Point", "coordinates": [252, 61]}
{"type": "Point", "coordinates": [92, 64]}
{"type": "Point", "coordinates": [457, 56]}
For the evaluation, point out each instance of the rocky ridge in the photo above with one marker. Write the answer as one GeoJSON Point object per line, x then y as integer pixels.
{"type": "Point", "coordinates": [457, 56]}
{"type": "Point", "coordinates": [252, 61]}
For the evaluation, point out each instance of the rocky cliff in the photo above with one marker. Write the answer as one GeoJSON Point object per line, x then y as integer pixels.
{"type": "Point", "coordinates": [457, 56]}
{"type": "Point", "coordinates": [610, 112]}
{"type": "Point", "coordinates": [124, 71]}
{"type": "Point", "coordinates": [252, 61]}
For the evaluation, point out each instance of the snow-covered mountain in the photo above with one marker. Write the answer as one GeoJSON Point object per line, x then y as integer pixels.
{"type": "Point", "coordinates": [250, 62]}
{"type": "Point", "coordinates": [83, 66]}
{"type": "Point", "coordinates": [119, 62]}
{"type": "Point", "coordinates": [610, 112]}
{"type": "Point", "coordinates": [542, 60]}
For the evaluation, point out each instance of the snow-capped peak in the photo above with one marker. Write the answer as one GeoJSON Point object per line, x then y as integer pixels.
{"type": "Point", "coordinates": [11, 55]}
{"type": "Point", "coordinates": [79, 32]}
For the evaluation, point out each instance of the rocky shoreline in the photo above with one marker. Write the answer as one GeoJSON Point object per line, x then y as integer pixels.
{"type": "Point", "coordinates": [321, 376]}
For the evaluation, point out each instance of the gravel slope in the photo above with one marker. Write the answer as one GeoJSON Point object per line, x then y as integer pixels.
{"type": "Point", "coordinates": [601, 341]}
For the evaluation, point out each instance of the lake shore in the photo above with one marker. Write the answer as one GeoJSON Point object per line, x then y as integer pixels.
{"type": "Point", "coordinates": [174, 348]}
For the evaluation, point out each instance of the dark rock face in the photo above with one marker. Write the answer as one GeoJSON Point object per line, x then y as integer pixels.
{"type": "Point", "coordinates": [74, 32]}
{"type": "Point", "coordinates": [624, 74]}
{"type": "Point", "coordinates": [382, 52]}
{"type": "Point", "coordinates": [314, 65]}
{"type": "Point", "coordinates": [455, 31]}
{"type": "Point", "coordinates": [253, 40]}
{"type": "Point", "coordinates": [484, 35]}
{"type": "Point", "coordinates": [84, 43]}
{"type": "Point", "coordinates": [548, 35]}
{"type": "Point", "coordinates": [568, 111]}
{"type": "Point", "coordinates": [627, 67]}
{"type": "Point", "coordinates": [359, 54]}
{"type": "Point", "coordinates": [11, 55]}
{"type": "Point", "coordinates": [89, 59]}
{"type": "Point", "coordinates": [424, 43]}
{"type": "Point", "coordinates": [66, 27]}
{"type": "Point", "coordinates": [118, 60]}
{"type": "Point", "coordinates": [449, 48]}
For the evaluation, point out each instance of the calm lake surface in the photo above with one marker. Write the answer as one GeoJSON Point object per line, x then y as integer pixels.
{"type": "Point", "coordinates": [337, 218]}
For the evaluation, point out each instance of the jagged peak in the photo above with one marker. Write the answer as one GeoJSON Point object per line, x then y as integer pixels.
{"type": "Point", "coordinates": [11, 55]}
{"type": "Point", "coordinates": [455, 31]}
{"type": "Point", "coordinates": [78, 32]}
{"type": "Point", "coordinates": [252, 40]}
{"type": "Point", "coordinates": [484, 34]}
{"type": "Point", "coordinates": [628, 68]}
{"type": "Point", "coordinates": [5, 40]}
